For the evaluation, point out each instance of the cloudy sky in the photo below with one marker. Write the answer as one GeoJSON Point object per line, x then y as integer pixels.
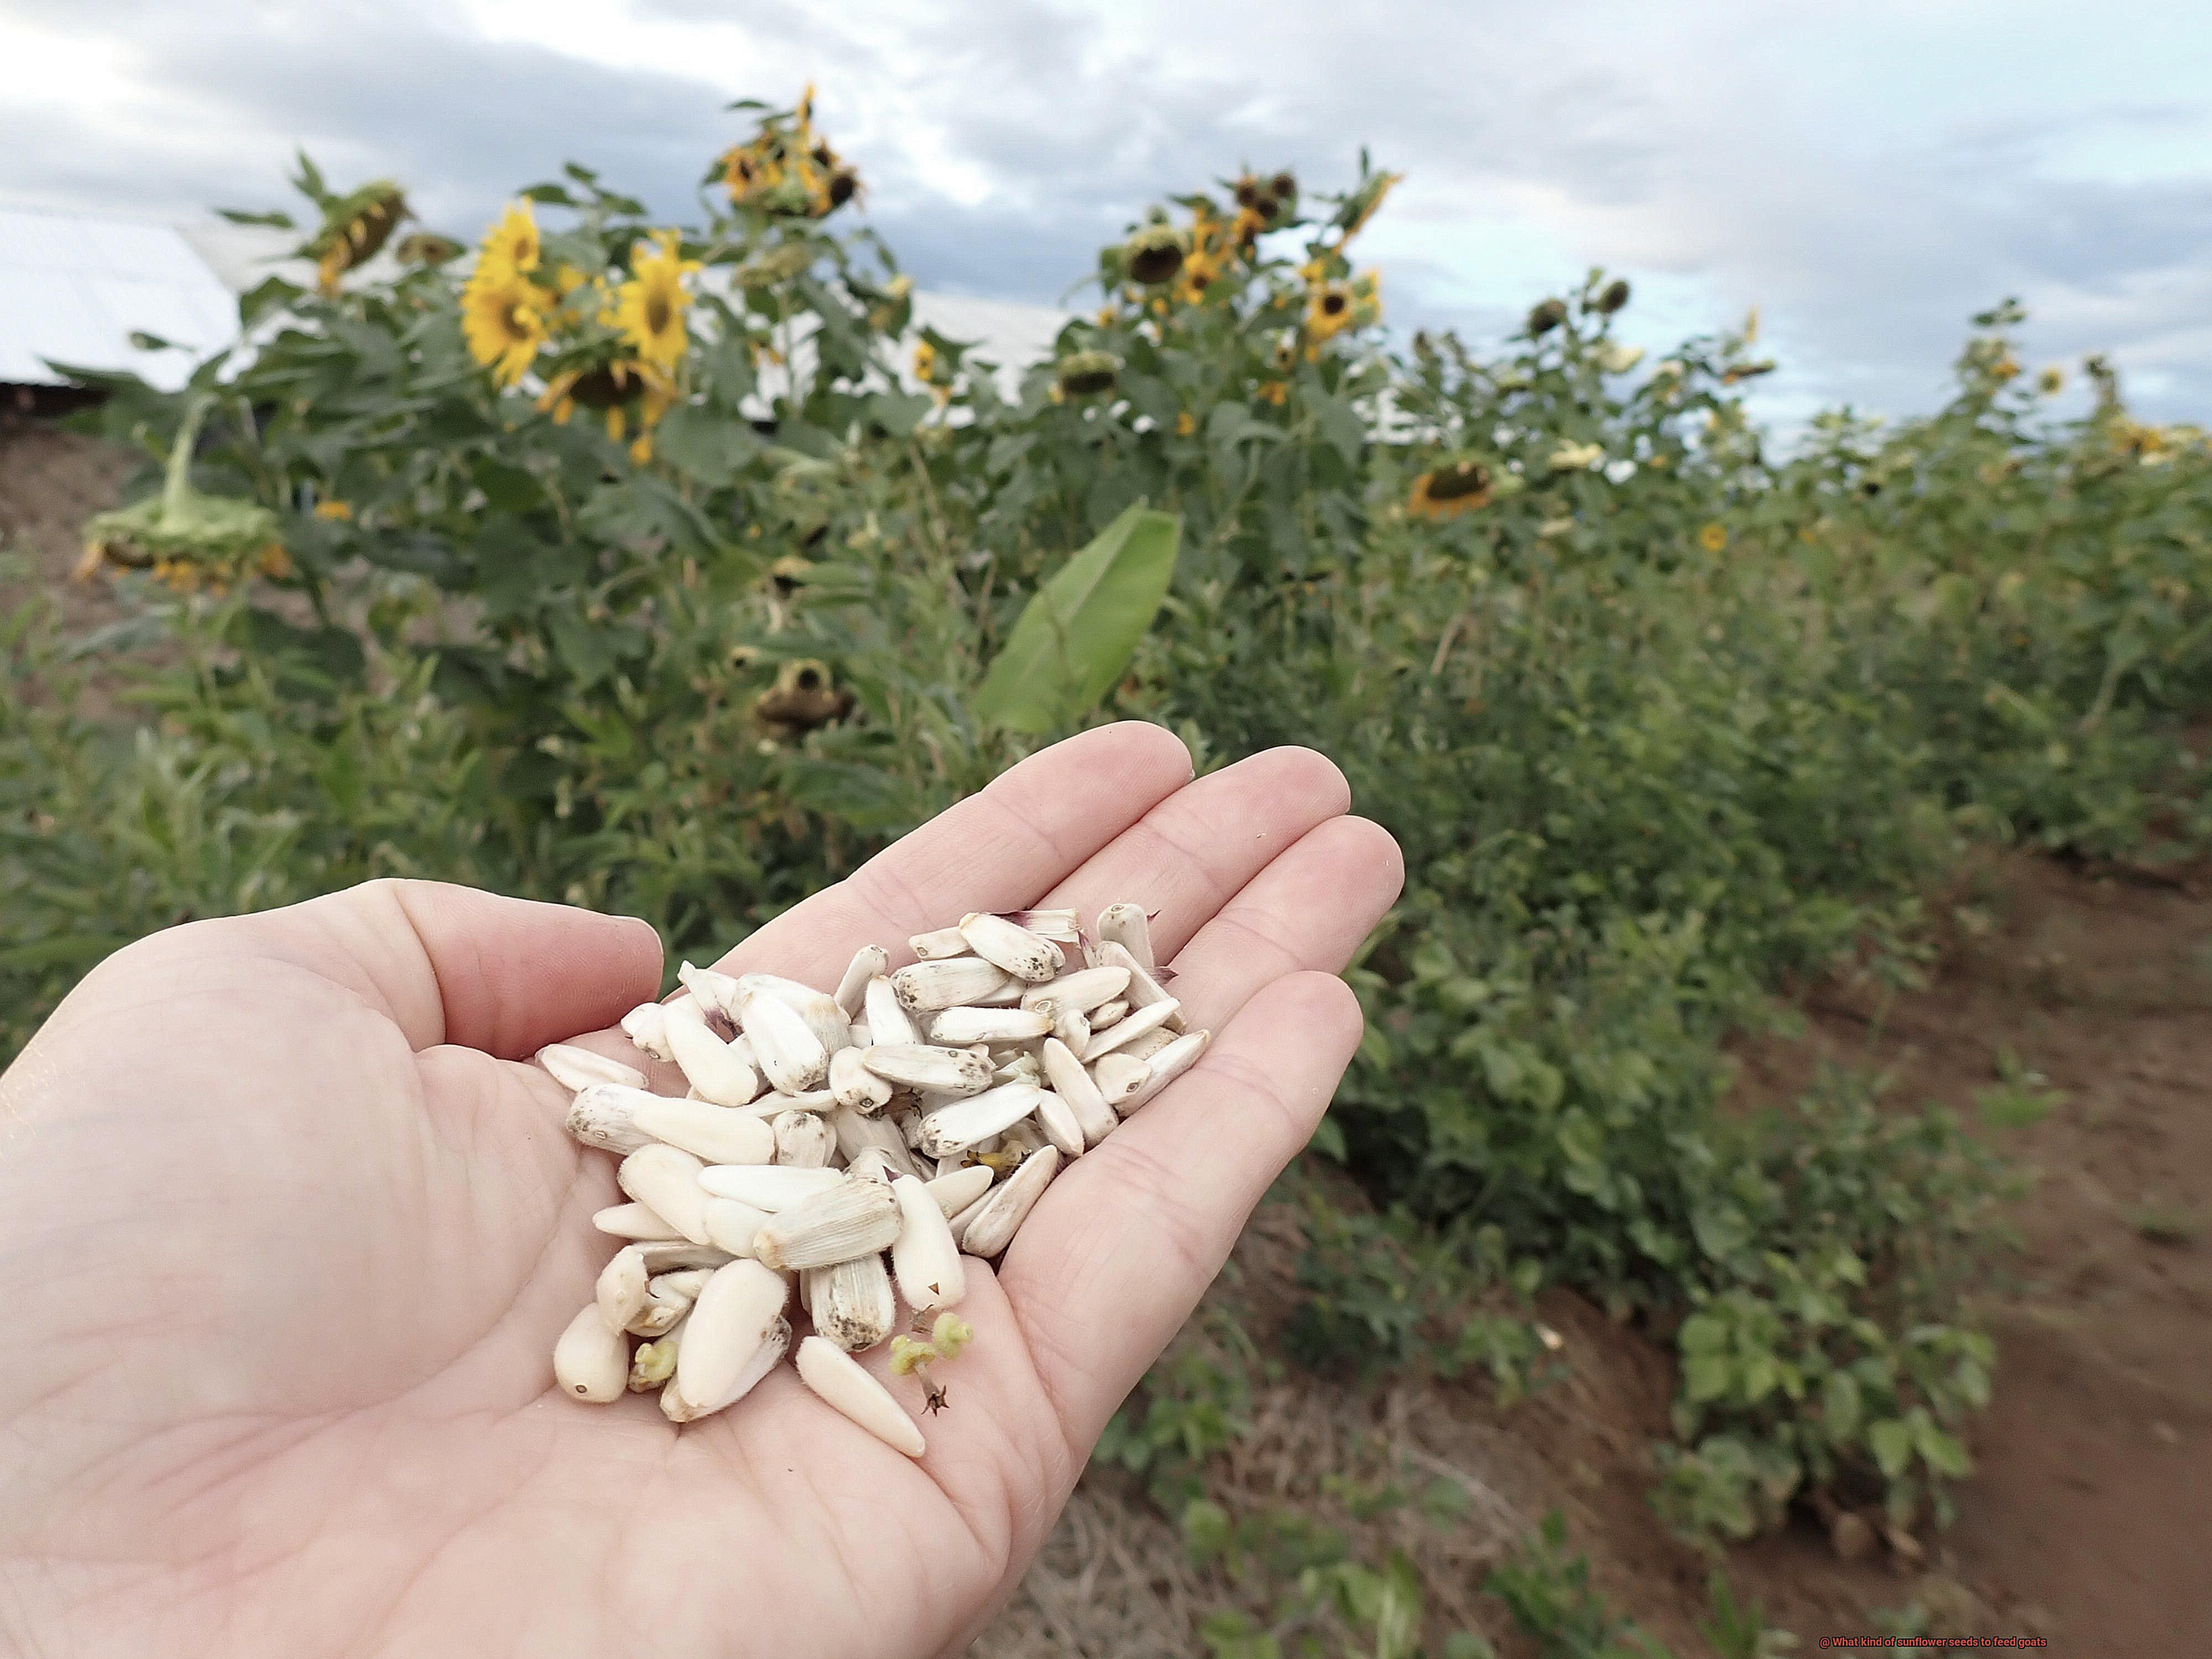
{"type": "Point", "coordinates": [1867, 174]}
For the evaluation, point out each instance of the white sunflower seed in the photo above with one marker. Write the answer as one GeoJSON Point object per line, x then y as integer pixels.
{"type": "Point", "coordinates": [874, 1163]}
{"type": "Point", "coordinates": [924, 1255]}
{"type": "Point", "coordinates": [717, 1072]}
{"type": "Point", "coordinates": [734, 1324]}
{"type": "Point", "coordinates": [962, 1222]}
{"type": "Point", "coordinates": [1061, 927]}
{"type": "Point", "coordinates": [851, 1302]}
{"type": "Point", "coordinates": [955, 1127]}
{"type": "Point", "coordinates": [606, 1115]}
{"type": "Point", "coordinates": [1017, 1068]}
{"type": "Point", "coordinates": [733, 1226]}
{"type": "Point", "coordinates": [592, 1361]}
{"type": "Point", "coordinates": [923, 987]}
{"type": "Point", "coordinates": [632, 1221]}
{"type": "Point", "coordinates": [1082, 990]}
{"type": "Point", "coordinates": [857, 1133]}
{"type": "Point", "coordinates": [1151, 1043]}
{"type": "Point", "coordinates": [844, 1384]}
{"type": "Point", "coordinates": [1144, 987]}
{"type": "Point", "coordinates": [1075, 1086]}
{"type": "Point", "coordinates": [1015, 949]}
{"type": "Point", "coordinates": [1010, 1204]}
{"type": "Point", "coordinates": [851, 1219]}
{"type": "Point", "coordinates": [956, 1190]}
{"type": "Point", "coordinates": [666, 1180]}
{"type": "Point", "coordinates": [713, 1134]}
{"type": "Point", "coordinates": [710, 988]}
{"type": "Point", "coordinates": [620, 1289]}
{"type": "Point", "coordinates": [855, 1085]}
{"type": "Point", "coordinates": [1165, 1066]}
{"type": "Point", "coordinates": [674, 1255]}
{"type": "Point", "coordinates": [794, 1056]}
{"type": "Point", "coordinates": [868, 961]}
{"type": "Point", "coordinates": [888, 1020]}
{"type": "Point", "coordinates": [576, 1067]}
{"type": "Point", "coordinates": [1128, 927]}
{"type": "Point", "coordinates": [1073, 1029]}
{"type": "Point", "coordinates": [667, 1299]}
{"type": "Point", "coordinates": [964, 1025]}
{"type": "Point", "coordinates": [918, 1065]}
{"type": "Point", "coordinates": [939, 943]}
{"type": "Point", "coordinates": [823, 1015]}
{"type": "Point", "coordinates": [768, 1187]}
{"type": "Point", "coordinates": [646, 1026]}
{"type": "Point", "coordinates": [1119, 1076]}
{"type": "Point", "coordinates": [1106, 1013]}
{"type": "Point", "coordinates": [1057, 1119]}
{"type": "Point", "coordinates": [804, 1141]}
{"type": "Point", "coordinates": [1152, 1016]}
{"type": "Point", "coordinates": [809, 1100]}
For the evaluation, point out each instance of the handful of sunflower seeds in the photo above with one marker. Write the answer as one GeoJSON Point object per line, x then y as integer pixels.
{"type": "Point", "coordinates": [856, 1143]}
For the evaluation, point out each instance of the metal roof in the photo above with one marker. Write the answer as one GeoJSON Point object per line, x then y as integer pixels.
{"type": "Point", "coordinates": [74, 287]}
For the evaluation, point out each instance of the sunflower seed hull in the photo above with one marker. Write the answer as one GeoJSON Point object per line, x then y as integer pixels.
{"type": "Point", "coordinates": [888, 1020]}
{"type": "Point", "coordinates": [957, 1189]}
{"type": "Point", "coordinates": [852, 1220]}
{"type": "Point", "coordinates": [1057, 1120]}
{"type": "Point", "coordinates": [1127, 925]}
{"type": "Point", "coordinates": [1064, 1070]}
{"type": "Point", "coordinates": [1016, 949]}
{"type": "Point", "coordinates": [591, 1361]}
{"type": "Point", "coordinates": [1165, 1066]}
{"type": "Point", "coordinates": [1082, 990]}
{"type": "Point", "coordinates": [857, 1135]}
{"type": "Point", "coordinates": [1010, 1204]}
{"type": "Point", "coordinates": [852, 1303]}
{"type": "Point", "coordinates": [1152, 1016]}
{"type": "Point", "coordinates": [918, 1065]}
{"type": "Point", "coordinates": [853, 1084]}
{"type": "Point", "coordinates": [1107, 1013]}
{"type": "Point", "coordinates": [1118, 1076]}
{"type": "Point", "coordinates": [733, 1226]}
{"type": "Point", "coordinates": [575, 1067]}
{"type": "Point", "coordinates": [956, 1127]}
{"type": "Point", "coordinates": [716, 1070]}
{"type": "Point", "coordinates": [965, 1025]}
{"type": "Point", "coordinates": [795, 1058]}
{"type": "Point", "coordinates": [938, 943]}
{"type": "Point", "coordinates": [924, 988]}
{"type": "Point", "coordinates": [604, 1115]}
{"type": "Point", "coordinates": [804, 1141]}
{"type": "Point", "coordinates": [868, 961]}
{"type": "Point", "coordinates": [1144, 989]}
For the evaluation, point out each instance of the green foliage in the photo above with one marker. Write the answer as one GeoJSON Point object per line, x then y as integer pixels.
{"type": "Point", "coordinates": [1076, 635]}
{"type": "Point", "coordinates": [1663, 718]}
{"type": "Point", "coordinates": [1549, 1594]}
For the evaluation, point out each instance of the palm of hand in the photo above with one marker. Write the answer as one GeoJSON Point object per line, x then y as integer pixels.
{"type": "Point", "coordinates": [314, 1228]}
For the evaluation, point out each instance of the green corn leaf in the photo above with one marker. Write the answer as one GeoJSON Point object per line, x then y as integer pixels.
{"type": "Point", "coordinates": [1078, 633]}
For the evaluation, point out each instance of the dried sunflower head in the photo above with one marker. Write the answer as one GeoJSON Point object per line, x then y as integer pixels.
{"type": "Point", "coordinates": [1087, 374]}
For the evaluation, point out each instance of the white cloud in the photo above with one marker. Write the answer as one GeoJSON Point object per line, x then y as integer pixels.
{"type": "Point", "coordinates": [1868, 178]}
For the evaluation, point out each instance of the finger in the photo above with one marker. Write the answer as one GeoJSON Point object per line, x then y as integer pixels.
{"type": "Point", "coordinates": [453, 965]}
{"type": "Point", "coordinates": [1309, 908]}
{"type": "Point", "coordinates": [997, 850]}
{"type": "Point", "coordinates": [1123, 1244]}
{"type": "Point", "coordinates": [1188, 857]}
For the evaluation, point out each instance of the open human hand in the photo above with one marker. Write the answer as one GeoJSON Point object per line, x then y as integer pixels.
{"type": "Point", "coordinates": [288, 1224]}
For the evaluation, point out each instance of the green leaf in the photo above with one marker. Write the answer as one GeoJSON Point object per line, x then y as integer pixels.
{"type": "Point", "coordinates": [274, 220]}
{"type": "Point", "coordinates": [1892, 1442]}
{"type": "Point", "coordinates": [1839, 1405]}
{"type": "Point", "coordinates": [1078, 631]}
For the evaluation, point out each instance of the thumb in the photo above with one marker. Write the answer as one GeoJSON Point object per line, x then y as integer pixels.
{"type": "Point", "coordinates": [455, 964]}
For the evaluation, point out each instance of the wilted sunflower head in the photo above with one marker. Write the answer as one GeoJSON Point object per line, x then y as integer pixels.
{"type": "Point", "coordinates": [1545, 316]}
{"type": "Point", "coordinates": [2051, 382]}
{"type": "Point", "coordinates": [1613, 296]}
{"type": "Point", "coordinates": [1248, 191]}
{"type": "Point", "coordinates": [503, 320]}
{"type": "Point", "coordinates": [1449, 486]}
{"type": "Point", "coordinates": [1284, 186]}
{"type": "Point", "coordinates": [1087, 374]}
{"type": "Point", "coordinates": [427, 248]}
{"type": "Point", "coordinates": [803, 698]}
{"type": "Point", "coordinates": [353, 229]}
{"type": "Point", "coordinates": [1154, 254]}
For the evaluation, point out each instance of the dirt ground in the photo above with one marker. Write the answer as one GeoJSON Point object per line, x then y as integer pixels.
{"type": "Point", "coordinates": [2087, 1517]}
{"type": "Point", "coordinates": [2086, 1520]}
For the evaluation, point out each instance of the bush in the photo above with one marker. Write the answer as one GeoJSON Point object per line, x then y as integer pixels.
{"type": "Point", "coordinates": [663, 569]}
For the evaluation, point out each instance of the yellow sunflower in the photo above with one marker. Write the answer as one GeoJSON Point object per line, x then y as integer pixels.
{"type": "Point", "coordinates": [1713, 537]}
{"type": "Point", "coordinates": [512, 242]}
{"type": "Point", "coordinates": [503, 320]}
{"type": "Point", "coordinates": [649, 307]}
{"type": "Point", "coordinates": [1329, 313]}
{"type": "Point", "coordinates": [1449, 486]}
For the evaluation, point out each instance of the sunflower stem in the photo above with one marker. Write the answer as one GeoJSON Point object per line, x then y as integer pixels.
{"type": "Point", "coordinates": [177, 481]}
